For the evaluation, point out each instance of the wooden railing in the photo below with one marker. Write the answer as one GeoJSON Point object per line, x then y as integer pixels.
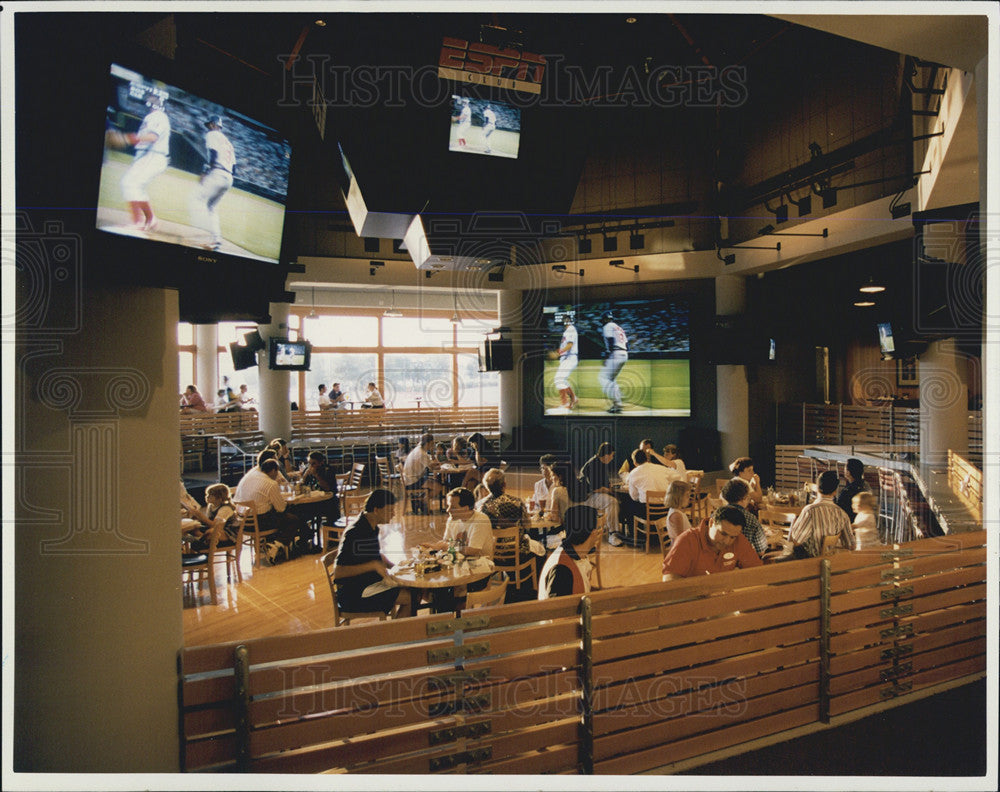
{"type": "Point", "coordinates": [371, 426]}
{"type": "Point", "coordinates": [620, 681]}
{"type": "Point", "coordinates": [965, 480]}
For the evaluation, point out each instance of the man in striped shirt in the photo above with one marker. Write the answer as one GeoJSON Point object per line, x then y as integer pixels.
{"type": "Point", "coordinates": [820, 519]}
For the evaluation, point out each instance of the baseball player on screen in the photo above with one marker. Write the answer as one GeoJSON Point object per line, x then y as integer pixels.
{"type": "Point", "coordinates": [568, 358]}
{"type": "Point", "coordinates": [464, 121]}
{"type": "Point", "coordinates": [616, 355]}
{"type": "Point", "coordinates": [216, 180]}
{"type": "Point", "coordinates": [152, 154]}
{"type": "Point", "coordinates": [489, 124]}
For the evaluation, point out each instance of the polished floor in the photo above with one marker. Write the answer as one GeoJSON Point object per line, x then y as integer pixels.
{"type": "Point", "coordinates": [294, 596]}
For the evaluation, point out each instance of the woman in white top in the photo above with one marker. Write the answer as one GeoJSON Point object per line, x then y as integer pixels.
{"type": "Point", "coordinates": [373, 399]}
{"type": "Point", "coordinates": [678, 495]}
{"type": "Point", "coordinates": [865, 523]}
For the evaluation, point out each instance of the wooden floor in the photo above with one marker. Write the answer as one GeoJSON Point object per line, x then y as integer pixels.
{"type": "Point", "coordinates": [294, 596]}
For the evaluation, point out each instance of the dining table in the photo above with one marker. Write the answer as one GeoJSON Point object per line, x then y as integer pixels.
{"type": "Point", "coordinates": [450, 580]}
{"type": "Point", "coordinates": [310, 506]}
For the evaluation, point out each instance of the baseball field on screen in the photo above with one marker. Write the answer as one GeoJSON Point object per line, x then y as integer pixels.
{"type": "Point", "coordinates": [660, 388]}
{"type": "Point", "coordinates": [251, 225]}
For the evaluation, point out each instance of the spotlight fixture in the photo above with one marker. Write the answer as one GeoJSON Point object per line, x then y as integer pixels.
{"type": "Point", "coordinates": [561, 269]}
{"type": "Point", "coordinates": [610, 244]}
{"type": "Point", "coordinates": [727, 260]}
{"type": "Point", "coordinates": [805, 206]}
{"type": "Point", "coordinates": [584, 245]}
{"type": "Point", "coordinates": [392, 312]}
{"type": "Point", "coordinates": [781, 213]}
{"type": "Point", "coordinates": [829, 197]}
{"type": "Point", "coordinates": [636, 241]}
{"type": "Point", "coordinates": [620, 264]}
{"type": "Point", "coordinates": [374, 265]}
{"type": "Point", "coordinates": [870, 287]}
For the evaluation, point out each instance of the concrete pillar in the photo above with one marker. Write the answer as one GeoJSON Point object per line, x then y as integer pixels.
{"type": "Point", "coordinates": [275, 410]}
{"type": "Point", "coordinates": [732, 410]}
{"type": "Point", "coordinates": [206, 366]}
{"type": "Point", "coordinates": [510, 381]}
{"type": "Point", "coordinates": [97, 578]}
{"type": "Point", "coordinates": [944, 403]}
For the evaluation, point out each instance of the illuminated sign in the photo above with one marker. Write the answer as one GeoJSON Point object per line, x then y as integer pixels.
{"type": "Point", "coordinates": [484, 64]}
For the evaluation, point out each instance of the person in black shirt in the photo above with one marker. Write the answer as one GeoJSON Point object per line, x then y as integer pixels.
{"type": "Point", "coordinates": [598, 472]}
{"type": "Point", "coordinates": [320, 474]}
{"type": "Point", "coordinates": [567, 570]}
{"type": "Point", "coordinates": [855, 484]}
{"type": "Point", "coordinates": [360, 562]}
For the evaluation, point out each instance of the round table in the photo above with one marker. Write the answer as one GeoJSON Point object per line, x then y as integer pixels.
{"type": "Point", "coordinates": [455, 577]}
{"type": "Point", "coordinates": [306, 506]}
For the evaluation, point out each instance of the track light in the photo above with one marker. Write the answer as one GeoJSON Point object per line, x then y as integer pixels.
{"type": "Point", "coordinates": [768, 230]}
{"type": "Point", "coordinates": [561, 269]}
{"type": "Point", "coordinates": [374, 265]}
{"type": "Point", "coordinates": [610, 244]}
{"type": "Point", "coordinates": [781, 213]}
{"type": "Point", "coordinates": [620, 264]}
{"type": "Point", "coordinates": [584, 245]}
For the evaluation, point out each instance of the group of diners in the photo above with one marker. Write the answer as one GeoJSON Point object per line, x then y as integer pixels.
{"type": "Point", "coordinates": [227, 400]}
{"type": "Point", "coordinates": [430, 469]}
{"type": "Point", "coordinates": [336, 399]}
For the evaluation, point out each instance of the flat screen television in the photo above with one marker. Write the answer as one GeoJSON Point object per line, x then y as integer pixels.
{"type": "Point", "coordinates": [285, 355]}
{"type": "Point", "coordinates": [648, 372]}
{"type": "Point", "coordinates": [484, 127]}
{"type": "Point", "coordinates": [182, 170]}
{"type": "Point", "coordinates": [886, 343]}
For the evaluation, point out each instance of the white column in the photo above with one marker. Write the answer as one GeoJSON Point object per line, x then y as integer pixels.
{"type": "Point", "coordinates": [510, 381]}
{"type": "Point", "coordinates": [275, 410]}
{"type": "Point", "coordinates": [732, 410]}
{"type": "Point", "coordinates": [944, 403]}
{"type": "Point", "coordinates": [206, 371]}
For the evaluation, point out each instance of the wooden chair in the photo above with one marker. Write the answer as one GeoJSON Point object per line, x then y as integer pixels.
{"type": "Point", "coordinates": [697, 507]}
{"type": "Point", "coordinates": [831, 544]}
{"type": "Point", "coordinates": [386, 478]}
{"type": "Point", "coordinates": [351, 508]}
{"type": "Point", "coordinates": [357, 473]}
{"type": "Point", "coordinates": [656, 517]}
{"type": "Point", "coordinates": [341, 618]}
{"type": "Point", "coordinates": [201, 566]}
{"type": "Point", "coordinates": [507, 556]}
{"type": "Point", "coordinates": [493, 594]}
{"type": "Point", "coordinates": [252, 533]}
{"type": "Point", "coordinates": [719, 484]}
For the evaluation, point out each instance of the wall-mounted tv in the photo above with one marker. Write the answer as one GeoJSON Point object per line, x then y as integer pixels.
{"type": "Point", "coordinates": [182, 170]}
{"type": "Point", "coordinates": [628, 357]}
{"type": "Point", "coordinates": [484, 127]}
{"type": "Point", "coordinates": [886, 343]}
{"type": "Point", "coordinates": [285, 355]}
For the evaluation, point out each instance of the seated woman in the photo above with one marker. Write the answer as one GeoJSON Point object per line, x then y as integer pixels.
{"type": "Point", "coordinates": [504, 511]}
{"type": "Point", "coordinates": [678, 496]}
{"type": "Point", "coordinates": [567, 489]}
{"type": "Point", "coordinates": [218, 518]}
{"type": "Point", "coordinates": [402, 451]}
{"type": "Point", "coordinates": [440, 453]}
{"type": "Point", "coordinates": [373, 399]}
{"type": "Point", "coordinates": [462, 453]}
{"type": "Point", "coordinates": [284, 456]}
{"type": "Point", "coordinates": [567, 570]}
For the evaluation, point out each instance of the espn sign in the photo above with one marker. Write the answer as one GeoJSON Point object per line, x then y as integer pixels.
{"type": "Point", "coordinates": [484, 64]}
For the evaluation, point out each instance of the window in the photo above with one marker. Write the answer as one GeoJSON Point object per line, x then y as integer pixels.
{"type": "Point", "coordinates": [341, 331]}
{"type": "Point", "coordinates": [424, 377]}
{"type": "Point", "coordinates": [248, 377]}
{"type": "Point", "coordinates": [185, 364]}
{"type": "Point", "coordinates": [411, 331]}
{"type": "Point", "coordinates": [352, 370]}
{"type": "Point", "coordinates": [475, 388]}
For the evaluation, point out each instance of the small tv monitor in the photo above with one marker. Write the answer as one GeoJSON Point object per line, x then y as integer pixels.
{"type": "Point", "coordinates": [885, 340]}
{"type": "Point", "coordinates": [484, 127]}
{"type": "Point", "coordinates": [243, 356]}
{"type": "Point", "coordinates": [179, 169]}
{"type": "Point", "coordinates": [285, 355]}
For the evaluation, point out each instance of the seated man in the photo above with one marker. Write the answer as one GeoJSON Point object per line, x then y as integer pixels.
{"type": "Point", "coordinates": [820, 519]}
{"type": "Point", "coordinates": [360, 563]}
{"type": "Point", "coordinates": [324, 399]}
{"type": "Point", "coordinates": [598, 471]}
{"type": "Point", "coordinates": [717, 545]}
{"type": "Point", "coordinates": [418, 471]}
{"type": "Point", "coordinates": [567, 570]}
{"type": "Point", "coordinates": [736, 493]}
{"type": "Point", "coordinates": [472, 535]}
{"type": "Point", "coordinates": [260, 487]}
{"type": "Point", "coordinates": [338, 399]}
{"type": "Point", "coordinates": [645, 476]}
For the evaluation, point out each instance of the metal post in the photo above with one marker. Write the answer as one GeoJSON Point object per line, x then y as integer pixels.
{"type": "Point", "coordinates": [824, 641]}
{"type": "Point", "coordinates": [242, 695]}
{"type": "Point", "coordinates": [587, 684]}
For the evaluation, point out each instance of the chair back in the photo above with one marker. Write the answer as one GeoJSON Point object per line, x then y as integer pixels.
{"type": "Point", "coordinates": [356, 474]}
{"type": "Point", "coordinates": [384, 475]}
{"type": "Point", "coordinates": [656, 512]}
{"type": "Point", "coordinates": [831, 544]}
{"type": "Point", "coordinates": [507, 555]}
{"type": "Point", "coordinates": [341, 618]}
{"type": "Point", "coordinates": [719, 484]}
{"type": "Point", "coordinates": [493, 594]}
{"type": "Point", "coordinates": [776, 519]}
